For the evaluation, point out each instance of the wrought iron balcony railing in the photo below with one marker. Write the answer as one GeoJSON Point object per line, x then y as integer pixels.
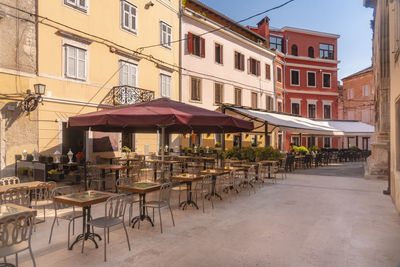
{"type": "Point", "coordinates": [126, 95]}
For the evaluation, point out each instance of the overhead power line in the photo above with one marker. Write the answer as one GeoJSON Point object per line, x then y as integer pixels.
{"type": "Point", "coordinates": [224, 27]}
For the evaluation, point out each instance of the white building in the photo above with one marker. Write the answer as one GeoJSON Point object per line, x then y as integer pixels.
{"type": "Point", "coordinates": [228, 65]}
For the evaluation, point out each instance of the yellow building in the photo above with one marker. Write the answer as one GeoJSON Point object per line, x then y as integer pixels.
{"type": "Point", "coordinates": [93, 55]}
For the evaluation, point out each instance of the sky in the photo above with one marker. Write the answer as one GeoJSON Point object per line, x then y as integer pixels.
{"type": "Point", "coordinates": [347, 18]}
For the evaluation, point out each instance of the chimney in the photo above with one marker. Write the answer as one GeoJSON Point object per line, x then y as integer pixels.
{"type": "Point", "coordinates": [263, 29]}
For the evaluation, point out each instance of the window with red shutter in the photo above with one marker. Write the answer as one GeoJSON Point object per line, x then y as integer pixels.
{"type": "Point", "coordinates": [203, 47]}
{"type": "Point", "coordinates": [242, 61]}
{"type": "Point", "coordinates": [190, 43]}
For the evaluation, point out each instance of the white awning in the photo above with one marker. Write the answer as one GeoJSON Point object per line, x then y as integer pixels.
{"type": "Point", "coordinates": [298, 124]}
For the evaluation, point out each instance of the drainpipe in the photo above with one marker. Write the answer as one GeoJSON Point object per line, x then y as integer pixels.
{"type": "Point", "coordinates": [180, 51]}
{"type": "Point", "coordinates": [274, 83]}
{"type": "Point", "coordinates": [387, 191]}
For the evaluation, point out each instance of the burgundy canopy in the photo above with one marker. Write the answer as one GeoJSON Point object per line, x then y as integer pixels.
{"type": "Point", "coordinates": [175, 116]}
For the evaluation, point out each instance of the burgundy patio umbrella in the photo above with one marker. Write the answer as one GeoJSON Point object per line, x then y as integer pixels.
{"type": "Point", "coordinates": [168, 115]}
{"type": "Point", "coordinates": [162, 113]}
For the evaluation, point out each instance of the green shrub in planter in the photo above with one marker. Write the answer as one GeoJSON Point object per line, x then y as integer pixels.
{"type": "Point", "coordinates": [354, 148]}
{"type": "Point", "coordinates": [315, 148]}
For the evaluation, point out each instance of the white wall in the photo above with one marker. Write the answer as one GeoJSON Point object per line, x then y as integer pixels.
{"type": "Point", "coordinates": [209, 71]}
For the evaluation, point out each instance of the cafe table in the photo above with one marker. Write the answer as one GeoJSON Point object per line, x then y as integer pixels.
{"type": "Point", "coordinates": [105, 167]}
{"type": "Point", "coordinates": [155, 162]}
{"type": "Point", "coordinates": [30, 185]}
{"type": "Point", "coordinates": [269, 164]}
{"type": "Point", "coordinates": [214, 174]}
{"type": "Point", "coordinates": [188, 178]}
{"type": "Point", "coordinates": [11, 209]}
{"type": "Point", "coordinates": [85, 200]}
{"type": "Point", "coordinates": [141, 188]}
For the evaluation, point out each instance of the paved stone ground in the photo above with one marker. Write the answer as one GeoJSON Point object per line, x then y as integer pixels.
{"type": "Point", "coordinates": [317, 217]}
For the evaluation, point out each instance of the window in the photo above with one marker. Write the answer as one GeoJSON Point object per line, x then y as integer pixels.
{"type": "Point", "coordinates": [127, 73]}
{"type": "Point", "coordinates": [165, 85]}
{"type": "Point", "coordinates": [326, 80]}
{"type": "Point", "coordinates": [269, 103]}
{"type": "Point", "coordinates": [296, 107]}
{"type": "Point", "coordinates": [311, 141]}
{"type": "Point", "coordinates": [276, 43]}
{"type": "Point", "coordinates": [365, 116]}
{"type": "Point", "coordinates": [295, 140]}
{"type": "Point", "coordinates": [350, 93]}
{"type": "Point", "coordinates": [129, 16]}
{"type": "Point", "coordinates": [294, 50]}
{"type": "Point", "coordinates": [294, 77]}
{"type": "Point", "coordinates": [195, 89]}
{"type": "Point", "coordinates": [196, 45]}
{"type": "Point", "coordinates": [238, 96]}
{"type": "Point", "coordinates": [219, 53]}
{"type": "Point", "coordinates": [75, 62]}
{"type": "Point", "coordinates": [327, 111]}
{"type": "Point", "coordinates": [280, 106]}
{"type": "Point", "coordinates": [254, 66]}
{"type": "Point", "coordinates": [254, 98]}
{"type": "Point", "coordinates": [267, 72]}
{"type": "Point", "coordinates": [311, 110]}
{"type": "Point", "coordinates": [311, 52]}
{"type": "Point", "coordinates": [78, 4]}
{"type": "Point", "coordinates": [311, 79]}
{"type": "Point", "coordinates": [279, 74]}
{"type": "Point", "coordinates": [218, 93]}
{"type": "Point", "coordinates": [239, 61]}
{"type": "Point", "coordinates": [327, 142]}
{"type": "Point", "coordinates": [365, 90]}
{"type": "Point", "coordinates": [326, 51]}
{"type": "Point", "coordinates": [165, 34]}
{"type": "Point", "coordinates": [350, 115]}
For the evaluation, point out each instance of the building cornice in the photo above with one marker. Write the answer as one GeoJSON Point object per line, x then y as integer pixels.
{"type": "Point", "coordinates": [190, 14]}
{"type": "Point", "coordinates": [311, 66]}
{"type": "Point", "coordinates": [311, 32]}
{"type": "Point", "coordinates": [311, 92]}
{"type": "Point", "coordinates": [321, 60]}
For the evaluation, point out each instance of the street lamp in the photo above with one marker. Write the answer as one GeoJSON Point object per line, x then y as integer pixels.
{"type": "Point", "coordinates": [32, 100]}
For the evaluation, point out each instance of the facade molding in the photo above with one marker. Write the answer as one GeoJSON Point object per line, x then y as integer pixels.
{"type": "Point", "coordinates": [310, 66]}
{"type": "Point", "coordinates": [314, 59]}
{"type": "Point", "coordinates": [17, 73]}
{"type": "Point", "coordinates": [75, 102]}
{"type": "Point", "coordinates": [311, 92]}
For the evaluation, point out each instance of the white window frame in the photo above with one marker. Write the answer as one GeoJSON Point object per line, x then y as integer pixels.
{"type": "Point", "coordinates": [330, 142]}
{"type": "Point", "coordinates": [163, 42]}
{"type": "Point", "coordinates": [129, 64]}
{"type": "Point", "coordinates": [292, 137]}
{"type": "Point", "coordinates": [326, 103]}
{"type": "Point", "coordinates": [315, 82]}
{"type": "Point", "coordinates": [75, 4]}
{"type": "Point", "coordinates": [330, 80]}
{"type": "Point", "coordinates": [123, 13]}
{"type": "Point", "coordinates": [74, 44]}
{"type": "Point", "coordinates": [363, 90]}
{"type": "Point", "coordinates": [313, 102]}
{"type": "Point", "coordinates": [278, 67]}
{"type": "Point", "coordinates": [315, 140]}
{"type": "Point", "coordinates": [350, 93]}
{"type": "Point", "coordinates": [295, 101]}
{"type": "Point", "coordinates": [163, 92]}
{"type": "Point", "coordinates": [292, 70]}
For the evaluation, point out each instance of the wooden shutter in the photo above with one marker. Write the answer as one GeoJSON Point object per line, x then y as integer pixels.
{"type": "Point", "coordinates": [242, 61]}
{"type": "Point", "coordinates": [249, 66]}
{"type": "Point", "coordinates": [258, 68]}
{"type": "Point", "coordinates": [221, 52]}
{"type": "Point", "coordinates": [236, 60]}
{"type": "Point", "coordinates": [203, 47]}
{"type": "Point", "coordinates": [190, 43]}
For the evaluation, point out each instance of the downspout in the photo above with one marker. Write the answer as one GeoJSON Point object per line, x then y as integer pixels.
{"type": "Point", "coordinates": [180, 51]}
{"type": "Point", "coordinates": [37, 36]}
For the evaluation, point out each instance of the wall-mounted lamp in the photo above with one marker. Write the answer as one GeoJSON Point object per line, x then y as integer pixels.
{"type": "Point", "coordinates": [32, 100]}
{"type": "Point", "coordinates": [148, 5]}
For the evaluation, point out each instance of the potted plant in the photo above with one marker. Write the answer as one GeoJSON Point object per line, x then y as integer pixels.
{"type": "Point", "coordinates": [55, 174]}
{"type": "Point", "coordinates": [126, 150]}
{"type": "Point", "coordinates": [80, 157]}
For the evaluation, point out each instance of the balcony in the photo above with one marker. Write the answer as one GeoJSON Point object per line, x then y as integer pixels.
{"type": "Point", "coordinates": [127, 95]}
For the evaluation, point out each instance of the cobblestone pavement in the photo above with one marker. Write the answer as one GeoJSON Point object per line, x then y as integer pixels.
{"type": "Point", "coordinates": [317, 217]}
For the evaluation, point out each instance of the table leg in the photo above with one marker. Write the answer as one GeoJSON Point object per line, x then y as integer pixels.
{"type": "Point", "coordinates": [103, 175]}
{"type": "Point", "coordinates": [116, 178]}
{"type": "Point", "coordinates": [189, 200]}
{"type": "Point", "coordinates": [142, 209]}
{"type": "Point", "coordinates": [213, 185]}
{"type": "Point", "coordinates": [86, 233]}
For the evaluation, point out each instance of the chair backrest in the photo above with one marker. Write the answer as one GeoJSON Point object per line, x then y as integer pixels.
{"type": "Point", "coordinates": [43, 191]}
{"type": "Point", "coordinates": [61, 191]}
{"type": "Point", "coordinates": [165, 192]}
{"type": "Point", "coordinates": [115, 206]}
{"type": "Point", "coordinates": [15, 229]}
{"type": "Point", "coordinates": [18, 195]}
{"type": "Point", "coordinates": [9, 180]}
{"type": "Point", "coordinates": [207, 183]}
{"type": "Point", "coordinates": [251, 173]}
